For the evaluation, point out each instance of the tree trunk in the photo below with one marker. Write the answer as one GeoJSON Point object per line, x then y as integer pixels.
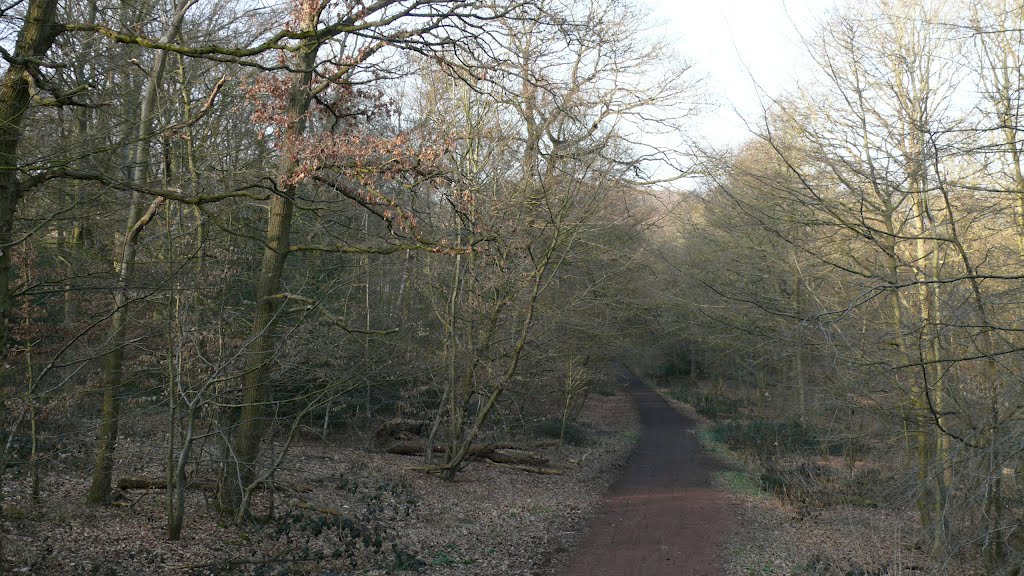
{"type": "Point", "coordinates": [251, 427]}
{"type": "Point", "coordinates": [798, 355]}
{"type": "Point", "coordinates": [240, 462]}
{"type": "Point", "coordinates": [37, 34]}
{"type": "Point", "coordinates": [177, 512]}
{"type": "Point", "coordinates": [113, 362]}
{"type": "Point", "coordinates": [38, 31]}
{"type": "Point", "coordinates": [113, 375]}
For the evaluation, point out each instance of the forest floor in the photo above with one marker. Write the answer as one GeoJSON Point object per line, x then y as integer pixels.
{"type": "Point", "coordinates": [340, 509]}
{"type": "Point", "coordinates": [678, 505]}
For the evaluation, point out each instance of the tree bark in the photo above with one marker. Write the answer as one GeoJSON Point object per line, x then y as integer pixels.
{"type": "Point", "coordinates": [240, 468]}
{"type": "Point", "coordinates": [38, 31]}
{"type": "Point", "coordinates": [113, 362]}
{"type": "Point", "coordinates": [113, 375]}
{"type": "Point", "coordinates": [35, 38]}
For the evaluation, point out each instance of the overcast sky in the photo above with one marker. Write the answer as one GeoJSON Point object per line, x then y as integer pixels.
{"type": "Point", "coordinates": [732, 41]}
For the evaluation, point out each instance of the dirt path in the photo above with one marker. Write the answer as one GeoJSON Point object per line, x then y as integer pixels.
{"type": "Point", "coordinates": [662, 517]}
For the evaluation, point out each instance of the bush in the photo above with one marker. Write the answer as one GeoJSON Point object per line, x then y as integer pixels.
{"type": "Point", "coordinates": [811, 484]}
{"type": "Point", "coordinates": [766, 438]}
{"type": "Point", "coordinates": [710, 406]}
{"type": "Point", "coordinates": [674, 368]}
{"type": "Point", "coordinates": [605, 387]}
{"type": "Point", "coordinates": [575, 435]}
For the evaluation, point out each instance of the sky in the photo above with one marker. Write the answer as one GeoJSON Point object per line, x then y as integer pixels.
{"type": "Point", "coordinates": [736, 43]}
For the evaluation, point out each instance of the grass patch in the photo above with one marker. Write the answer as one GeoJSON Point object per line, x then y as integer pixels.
{"type": "Point", "coordinates": [737, 480]}
{"type": "Point", "coordinates": [714, 445]}
{"type": "Point", "coordinates": [631, 436]}
{"type": "Point", "coordinates": [781, 458]}
{"type": "Point", "coordinates": [446, 557]}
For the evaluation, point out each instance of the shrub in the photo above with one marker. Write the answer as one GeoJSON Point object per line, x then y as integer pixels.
{"type": "Point", "coordinates": [765, 438]}
{"type": "Point", "coordinates": [673, 368]}
{"type": "Point", "coordinates": [708, 405]}
{"type": "Point", "coordinates": [575, 435]}
{"type": "Point", "coordinates": [810, 484]}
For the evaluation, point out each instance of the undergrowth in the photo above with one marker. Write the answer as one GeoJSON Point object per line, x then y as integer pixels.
{"type": "Point", "coordinates": [710, 406]}
{"type": "Point", "coordinates": [786, 459]}
{"type": "Point", "coordinates": [574, 434]}
{"type": "Point", "coordinates": [767, 438]}
{"type": "Point", "coordinates": [736, 478]}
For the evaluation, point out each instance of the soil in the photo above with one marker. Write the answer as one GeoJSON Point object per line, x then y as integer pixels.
{"type": "Point", "coordinates": [662, 516]}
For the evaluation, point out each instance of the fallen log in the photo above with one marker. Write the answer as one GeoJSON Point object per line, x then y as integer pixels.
{"type": "Point", "coordinates": [160, 484]}
{"type": "Point", "coordinates": [514, 456]}
{"type": "Point", "coordinates": [518, 457]}
{"type": "Point", "coordinates": [401, 429]}
{"type": "Point", "coordinates": [527, 468]}
{"type": "Point", "coordinates": [419, 447]}
{"type": "Point", "coordinates": [410, 448]}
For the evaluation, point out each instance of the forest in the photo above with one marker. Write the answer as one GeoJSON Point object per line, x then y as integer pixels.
{"type": "Point", "coordinates": [234, 235]}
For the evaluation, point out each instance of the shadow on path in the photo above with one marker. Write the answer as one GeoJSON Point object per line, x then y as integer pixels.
{"type": "Point", "coordinates": [662, 517]}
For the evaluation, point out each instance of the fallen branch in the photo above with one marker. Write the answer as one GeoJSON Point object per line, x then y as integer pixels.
{"type": "Point", "coordinates": [502, 455]}
{"type": "Point", "coordinates": [411, 448]}
{"type": "Point", "coordinates": [401, 429]}
{"type": "Point", "coordinates": [518, 457]}
{"type": "Point", "coordinates": [418, 448]}
{"type": "Point", "coordinates": [527, 468]}
{"type": "Point", "coordinates": [159, 484]}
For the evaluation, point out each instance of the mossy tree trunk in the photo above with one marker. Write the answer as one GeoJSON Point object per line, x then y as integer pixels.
{"type": "Point", "coordinates": [240, 469]}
